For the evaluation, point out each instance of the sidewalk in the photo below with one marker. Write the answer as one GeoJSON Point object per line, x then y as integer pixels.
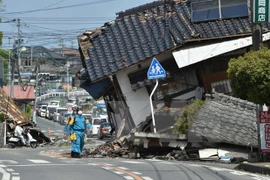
{"type": "Point", "coordinates": [260, 167]}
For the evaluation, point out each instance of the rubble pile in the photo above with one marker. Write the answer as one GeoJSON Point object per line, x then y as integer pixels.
{"type": "Point", "coordinates": [108, 150]}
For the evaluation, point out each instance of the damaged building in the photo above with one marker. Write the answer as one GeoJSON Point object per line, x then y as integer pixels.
{"type": "Point", "coordinates": [194, 46]}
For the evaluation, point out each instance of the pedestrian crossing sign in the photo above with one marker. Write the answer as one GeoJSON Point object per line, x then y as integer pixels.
{"type": "Point", "coordinates": [155, 70]}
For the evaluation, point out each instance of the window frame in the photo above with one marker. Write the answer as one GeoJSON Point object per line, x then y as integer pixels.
{"type": "Point", "coordinates": [220, 7]}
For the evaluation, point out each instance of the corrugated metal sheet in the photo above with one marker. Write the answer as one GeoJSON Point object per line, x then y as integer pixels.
{"type": "Point", "coordinates": [135, 37]}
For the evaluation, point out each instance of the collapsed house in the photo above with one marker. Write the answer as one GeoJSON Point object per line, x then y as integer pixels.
{"type": "Point", "coordinates": [225, 127]}
{"type": "Point", "coordinates": [194, 50]}
{"type": "Point", "coordinates": [12, 113]}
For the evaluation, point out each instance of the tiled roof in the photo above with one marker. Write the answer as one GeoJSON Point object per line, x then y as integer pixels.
{"type": "Point", "coordinates": [226, 119]}
{"type": "Point", "coordinates": [137, 36]}
{"type": "Point", "coordinates": [20, 94]}
{"type": "Point", "coordinates": [40, 51]}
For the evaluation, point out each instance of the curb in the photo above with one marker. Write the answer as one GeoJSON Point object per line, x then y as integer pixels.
{"type": "Point", "coordinates": [253, 168]}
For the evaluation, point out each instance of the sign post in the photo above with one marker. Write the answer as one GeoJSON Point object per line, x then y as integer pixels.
{"type": "Point", "coordinates": [155, 71]}
{"type": "Point", "coordinates": [264, 119]}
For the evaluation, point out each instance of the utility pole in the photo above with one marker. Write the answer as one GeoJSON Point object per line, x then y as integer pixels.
{"type": "Point", "coordinates": [62, 46]}
{"type": "Point", "coordinates": [9, 67]}
{"type": "Point", "coordinates": [67, 79]}
{"type": "Point", "coordinates": [36, 85]}
{"type": "Point", "coordinates": [256, 29]}
{"type": "Point", "coordinates": [19, 42]}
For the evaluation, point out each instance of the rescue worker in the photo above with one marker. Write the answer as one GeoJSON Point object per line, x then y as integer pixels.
{"type": "Point", "coordinates": [77, 127]}
{"type": "Point", "coordinates": [19, 131]}
{"type": "Point", "coordinates": [74, 112]}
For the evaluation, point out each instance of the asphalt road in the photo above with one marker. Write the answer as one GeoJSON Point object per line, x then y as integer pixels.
{"type": "Point", "coordinates": [45, 125]}
{"type": "Point", "coordinates": [31, 164]}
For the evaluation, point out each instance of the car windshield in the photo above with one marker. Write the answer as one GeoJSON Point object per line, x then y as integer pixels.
{"type": "Point", "coordinates": [66, 115]}
{"type": "Point", "coordinates": [61, 111]}
{"type": "Point", "coordinates": [54, 103]}
{"type": "Point", "coordinates": [106, 124]}
{"type": "Point", "coordinates": [98, 121]}
{"type": "Point", "coordinates": [88, 116]}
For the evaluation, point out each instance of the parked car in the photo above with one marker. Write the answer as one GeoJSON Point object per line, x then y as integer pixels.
{"type": "Point", "coordinates": [96, 122]}
{"type": "Point", "coordinates": [50, 112]}
{"type": "Point", "coordinates": [43, 110]}
{"type": "Point", "coordinates": [63, 117]}
{"type": "Point", "coordinates": [88, 116]}
{"type": "Point", "coordinates": [58, 111]}
{"type": "Point", "coordinates": [104, 130]}
{"type": "Point", "coordinates": [39, 107]}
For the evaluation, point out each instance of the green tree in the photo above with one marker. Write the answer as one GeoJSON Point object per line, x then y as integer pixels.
{"type": "Point", "coordinates": [4, 56]}
{"type": "Point", "coordinates": [2, 7]}
{"type": "Point", "coordinates": [28, 111]}
{"type": "Point", "coordinates": [250, 76]}
{"type": "Point", "coordinates": [186, 117]}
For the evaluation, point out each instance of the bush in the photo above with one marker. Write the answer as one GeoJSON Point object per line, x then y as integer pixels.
{"type": "Point", "coordinates": [2, 118]}
{"type": "Point", "coordinates": [28, 111]}
{"type": "Point", "coordinates": [186, 117]}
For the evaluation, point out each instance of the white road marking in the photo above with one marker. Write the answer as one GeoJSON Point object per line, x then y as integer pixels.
{"type": "Point", "coordinates": [118, 172]}
{"type": "Point", "coordinates": [138, 173]}
{"type": "Point", "coordinates": [10, 170]}
{"type": "Point", "coordinates": [133, 162]}
{"type": "Point", "coordinates": [147, 178]}
{"type": "Point", "coordinates": [123, 168]}
{"type": "Point", "coordinates": [107, 168]}
{"type": "Point", "coordinates": [16, 178]}
{"type": "Point", "coordinates": [239, 173]}
{"type": "Point", "coordinates": [15, 173]}
{"type": "Point", "coordinates": [108, 164]}
{"type": "Point", "coordinates": [8, 161]}
{"type": "Point", "coordinates": [155, 160]}
{"type": "Point", "coordinates": [38, 161]}
{"type": "Point", "coordinates": [93, 164]}
{"type": "Point", "coordinates": [6, 175]}
{"type": "Point", "coordinates": [2, 165]}
{"type": "Point", "coordinates": [128, 177]}
{"type": "Point", "coordinates": [235, 172]}
{"type": "Point", "coordinates": [217, 169]}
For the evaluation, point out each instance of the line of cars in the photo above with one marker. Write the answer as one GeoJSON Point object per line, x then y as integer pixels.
{"type": "Point", "coordinates": [52, 111]}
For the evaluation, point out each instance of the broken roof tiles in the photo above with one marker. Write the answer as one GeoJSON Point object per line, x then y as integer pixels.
{"type": "Point", "coordinates": [227, 119]}
{"type": "Point", "coordinates": [136, 36]}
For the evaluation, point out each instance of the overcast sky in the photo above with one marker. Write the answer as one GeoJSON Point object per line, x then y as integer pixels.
{"type": "Point", "coordinates": [47, 22]}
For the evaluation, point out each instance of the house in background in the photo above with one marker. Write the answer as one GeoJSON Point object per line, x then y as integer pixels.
{"type": "Point", "coordinates": [22, 96]}
{"type": "Point", "coordinates": [53, 65]}
{"type": "Point", "coordinates": [191, 40]}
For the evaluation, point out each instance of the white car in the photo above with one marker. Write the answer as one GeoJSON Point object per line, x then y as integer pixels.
{"type": "Point", "coordinates": [96, 124]}
{"type": "Point", "coordinates": [43, 111]}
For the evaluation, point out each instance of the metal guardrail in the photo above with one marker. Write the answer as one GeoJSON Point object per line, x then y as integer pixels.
{"type": "Point", "coordinates": [62, 94]}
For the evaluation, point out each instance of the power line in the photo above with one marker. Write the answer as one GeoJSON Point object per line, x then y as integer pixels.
{"type": "Point", "coordinates": [57, 8]}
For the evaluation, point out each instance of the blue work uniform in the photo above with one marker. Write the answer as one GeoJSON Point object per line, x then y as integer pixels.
{"type": "Point", "coordinates": [66, 129]}
{"type": "Point", "coordinates": [78, 125]}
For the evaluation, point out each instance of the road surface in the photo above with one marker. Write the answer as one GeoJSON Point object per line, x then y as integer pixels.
{"type": "Point", "coordinates": [32, 164]}
{"type": "Point", "coordinates": [48, 125]}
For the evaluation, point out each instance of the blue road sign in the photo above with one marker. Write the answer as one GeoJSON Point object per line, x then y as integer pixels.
{"type": "Point", "coordinates": [155, 70]}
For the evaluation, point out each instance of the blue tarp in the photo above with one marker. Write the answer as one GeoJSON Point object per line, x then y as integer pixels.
{"type": "Point", "coordinates": [97, 89]}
